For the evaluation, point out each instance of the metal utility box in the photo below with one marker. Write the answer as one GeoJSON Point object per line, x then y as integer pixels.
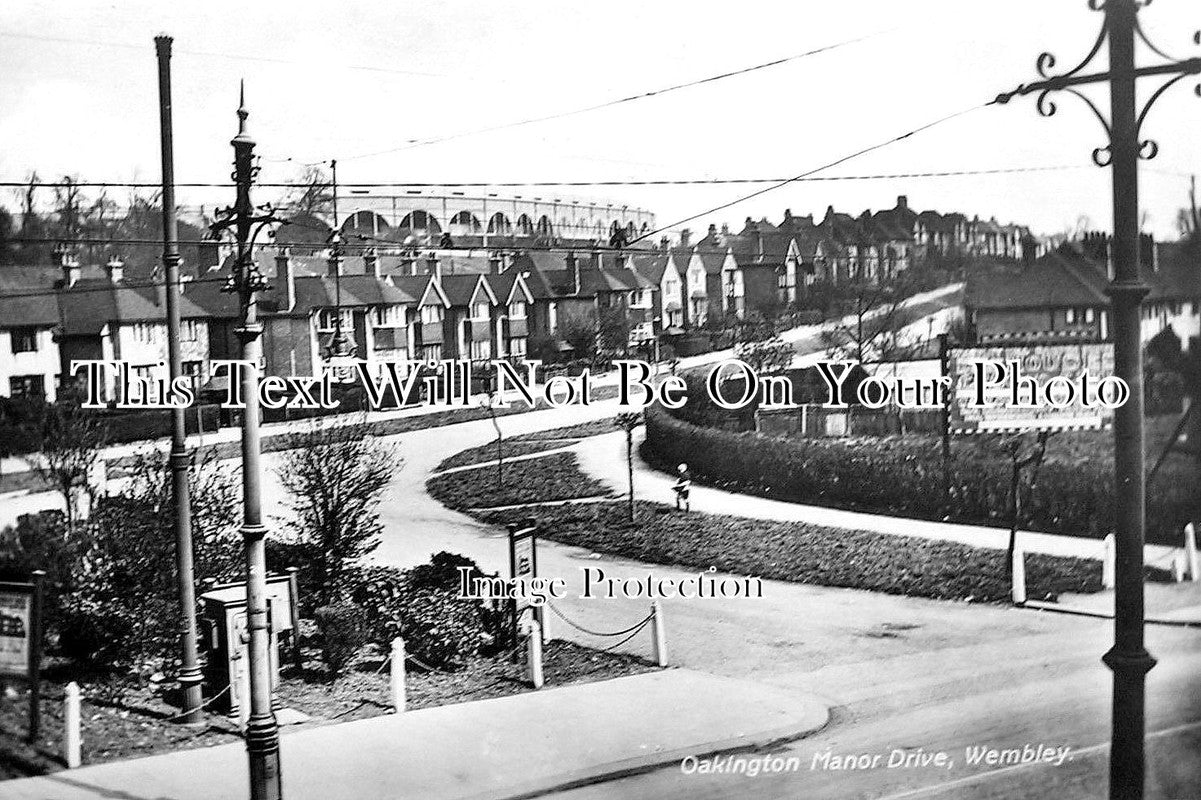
{"type": "Point", "coordinates": [225, 639]}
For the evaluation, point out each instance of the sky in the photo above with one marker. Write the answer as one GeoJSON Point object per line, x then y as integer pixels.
{"type": "Point", "coordinates": [78, 96]}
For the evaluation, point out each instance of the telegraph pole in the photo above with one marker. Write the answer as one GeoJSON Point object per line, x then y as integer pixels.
{"type": "Point", "coordinates": [190, 677]}
{"type": "Point", "coordinates": [247, 222]}
{"type": "Point", "coordinates": [1128, 658]}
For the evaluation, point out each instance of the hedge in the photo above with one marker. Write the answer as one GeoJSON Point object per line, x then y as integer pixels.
{"type": "Point", "coordinates": [904, 477]}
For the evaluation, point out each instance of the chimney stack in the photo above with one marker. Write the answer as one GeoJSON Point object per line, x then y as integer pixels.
{"type": "Point", "coordinates": [333, 263]}
{"type": "Point", "coordinates": [371, 262]}
{"type": "Point", "coordinates": [71, 270]}
{"type": "Point", "coordinates": [665, 244]}
{"type": "Point", "coordinates": [285, 279]}
{"type": "Point", "coordinates": [903, 202]}
{"type": "Point", "coordinates": [685, 237]}
{"type": "Point", "coordinates": [573, 266]}
{"type": "Point", "coordinates": [115, 269]}
{"type": "Point", "coordinates": [435, 266]}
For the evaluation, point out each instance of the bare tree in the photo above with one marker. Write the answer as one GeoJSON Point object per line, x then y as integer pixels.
{"type": "Point", "coordinates": [70, 438]}
{"type": "Point", "coordinates": [489, 402]}
{"type": "Point", "coordinates": [312, 195]}
{"type": "Point", "coordinates": [766, 355]}
{"type": "Point", "coordinates": [628, 421]}
{"type": "Point", "coordinates": [872, 330]}
{"type": "Point", "coordinates": [1022, 457]}
{"type": "Point", "coordinates": [336, 477]}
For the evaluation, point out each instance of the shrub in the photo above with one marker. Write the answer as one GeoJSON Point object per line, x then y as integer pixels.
{"type": "Point", "coordinates": [422, 606]}
{"type": "Point", "coordinates": [344, 631]}
{"type": "Point", "coordinates": [120, 604]}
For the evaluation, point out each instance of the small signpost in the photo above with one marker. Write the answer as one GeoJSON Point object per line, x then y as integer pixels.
{"type": "Point", "coordinates": [21, 640]}
{"type": "Point", "coordinates": [523, 565]}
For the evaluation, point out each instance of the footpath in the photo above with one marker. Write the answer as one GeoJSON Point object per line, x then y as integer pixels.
{"type": "Point", "coordinates": [604, 458]}
{"type": "Point", "coordinates": [512, 747]}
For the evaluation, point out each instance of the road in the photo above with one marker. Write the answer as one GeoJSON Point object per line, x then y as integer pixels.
{"type": "Point", "coordinates": [899, 672]}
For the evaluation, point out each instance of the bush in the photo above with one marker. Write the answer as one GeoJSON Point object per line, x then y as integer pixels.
{"type": "Point", "coordinates": [343, 629]}
{"type": "Point", "coordinates": [118, 605]}
{"type": "Point", "coordinates": [422, 606]}
{"type": "Point", "coordinates": [904, 477]}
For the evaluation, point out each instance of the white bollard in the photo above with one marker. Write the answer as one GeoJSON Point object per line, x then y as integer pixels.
{"type": "Point", "coordinates": [71, 727]}
{"type": "Point", "coordinates": [658, 640]}
{"type": "Point", "coordinates": [1109, 563]}
{"type": "Point", "coordinates": [1178, 568]}
{"type": "Point", "coordinates": [1019, 576]}
{"type": "Point", "coordinates": [397, 684]}
{"type": "Point", "coordinates": [534, 649]}
{"type": "Point", "coordinates": [1190, 552]}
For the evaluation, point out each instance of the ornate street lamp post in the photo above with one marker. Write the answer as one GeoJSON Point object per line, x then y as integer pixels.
{"type": "Point", "coordinates": [247, 222]}
{"type": "Point", "coordinates": [1128, 658]}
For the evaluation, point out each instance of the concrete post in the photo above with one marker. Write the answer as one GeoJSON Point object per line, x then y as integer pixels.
{"type": "Point", "coordinates": [1019, 576]}
{"type": "Point", "coordinates": [397, 684]}
{"type": "Point", "coordinates": [1190, 552]}
{"type": "Point", "coordinates": [1178, 568]}
{"type": "Point", "coordinates": [658, 639]}
{"type": "Point", "coordinates": [1109, 563]}
{"type": "Point", "coordinates": [71, 727]}
{"type": "Point", "coordinates": [534, 651]}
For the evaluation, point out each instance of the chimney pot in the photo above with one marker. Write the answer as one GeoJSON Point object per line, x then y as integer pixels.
{"type": "Point", "coordinates": [71, 270]}
{"type": "Point", "coordinates": [116, 269]}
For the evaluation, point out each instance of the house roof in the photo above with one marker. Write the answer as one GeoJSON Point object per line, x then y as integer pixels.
{"type": "Point", "coordinates": [27, 297]}
{"type": "Point", "coordinates": [1063, 277]}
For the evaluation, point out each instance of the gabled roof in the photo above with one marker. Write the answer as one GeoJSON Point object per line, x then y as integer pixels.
{"type": "Point", "coordinates": [651, 265]}
{"type": "Point", "coordinates": [1062, 278]}
{"type": "Point", "coordinates": [460, 289]}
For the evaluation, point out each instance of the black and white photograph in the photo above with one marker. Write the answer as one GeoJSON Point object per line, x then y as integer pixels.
{"type": "Point", "coordinates": [502, 400]}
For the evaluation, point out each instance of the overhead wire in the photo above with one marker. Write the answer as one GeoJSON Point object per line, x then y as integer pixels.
{"type": "Point", "coordinates": [598, 106]}
{"type": "Point", "coordinates": [517, 184]}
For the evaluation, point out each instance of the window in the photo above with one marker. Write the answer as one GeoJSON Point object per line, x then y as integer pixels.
{"type": "Point", "coordinates": [517, 309]}
{"type": "Point", "coordinates": [189, 330]}
{"type": "Point", "coordinates": [326, 318]}
{"type": "Point", "coordinates": [1069, 316]}
{"type": "Point", "coordinates": [194, 370]}
{"type": "Point", "coordinates": [389, 316]}
{"type": "Point", "coordinates": [1089, 315]}
{"type": "Point", "coordinates": [480, 310]}
{"type": "Point", "coordinates": [27, 386]}
{"type": "Point", "coordinates": [639, 299]}
{"type": "Point", "coordinates": [517, 346]}
{"type": "Point", "coordinates": [481, 351]}
{"type": "Point", "coordinates": [431, 352]}
{"type": "Point", "coordinates": [431, 315]}
{"type": "Point", "coordinates": [24, 340]}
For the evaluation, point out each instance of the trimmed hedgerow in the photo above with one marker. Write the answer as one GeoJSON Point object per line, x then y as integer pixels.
{"type": "Point", "coordinates": [804, 553]}
{"type": "Point", "coordinates": [904, 477]}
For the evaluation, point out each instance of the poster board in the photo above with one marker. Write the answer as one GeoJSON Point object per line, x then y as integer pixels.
{"type": "Point", "coordinates": [16, 629]}
{"type": "Point", "coordinates": [1040, 362]}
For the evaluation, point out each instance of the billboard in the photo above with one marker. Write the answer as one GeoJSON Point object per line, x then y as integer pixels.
{"type": "Point", "coordinates": [1038, 366]}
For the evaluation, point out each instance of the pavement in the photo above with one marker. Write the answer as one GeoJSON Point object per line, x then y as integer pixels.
{"type": "Point", "coordinates": [523, 745]}
{"type": "Point", "coordinates": [604, 457]}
